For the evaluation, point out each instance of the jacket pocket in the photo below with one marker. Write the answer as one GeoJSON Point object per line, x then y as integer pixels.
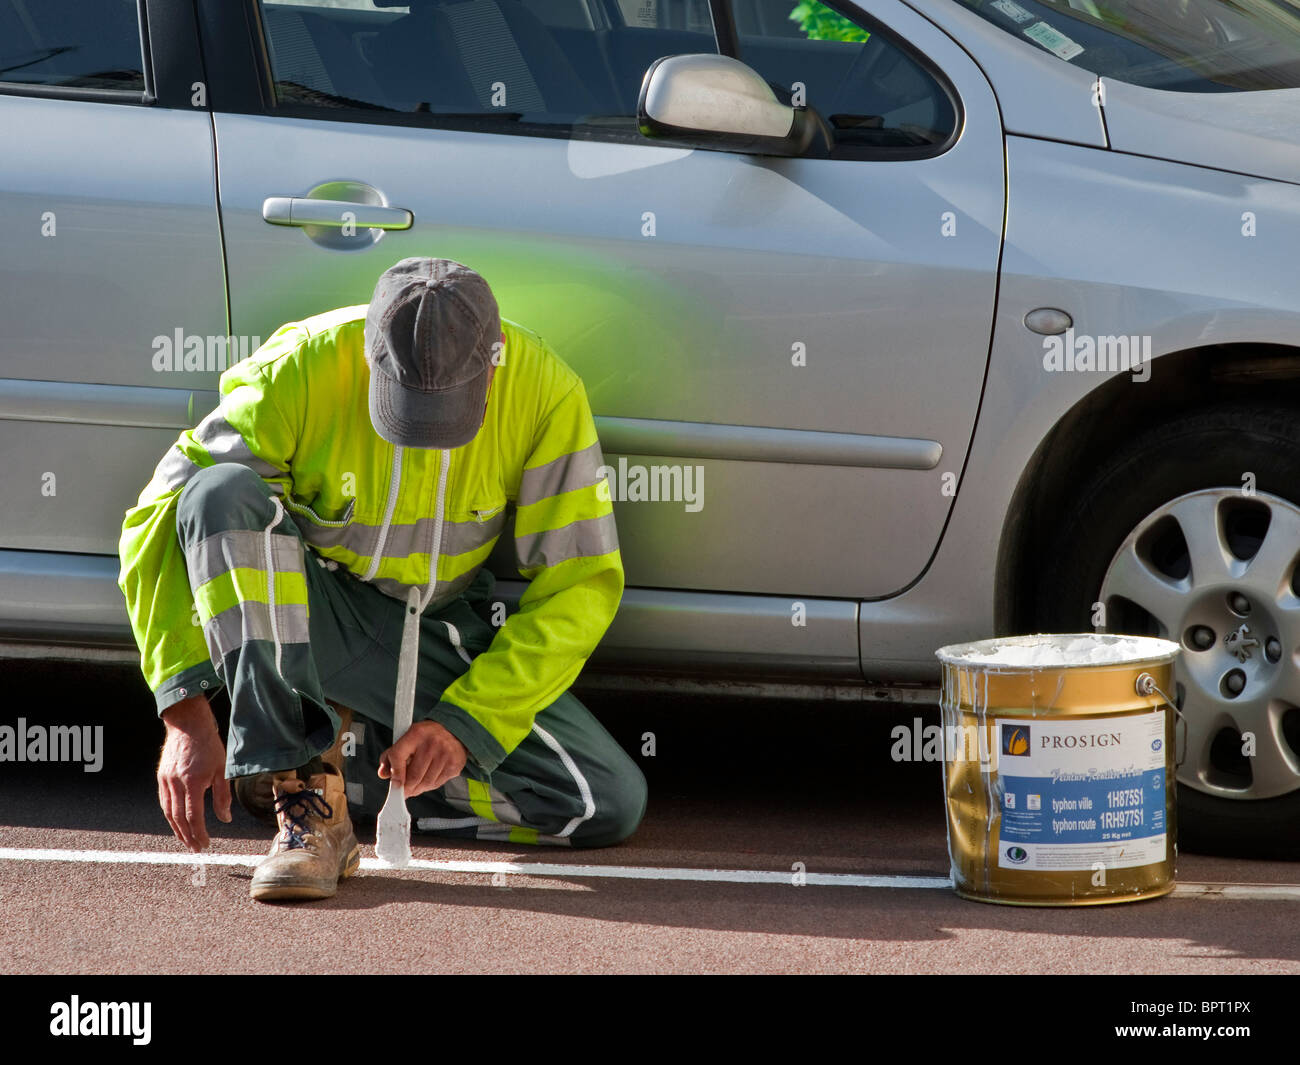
{"type": "Point", "coordinates": [310, 514]}
{"type": "Point", "coordinates": [325, 533]}
{"type": "Point", "coordinates": [474, 526]}
{"type": "Point", "coordinates": [484, 512]}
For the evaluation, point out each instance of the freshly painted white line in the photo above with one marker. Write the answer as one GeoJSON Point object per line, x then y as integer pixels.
{"type": "Point", "coordinates": [1237, 891]}
{"type": "Point", "coordinates": [539, 869]}
{"type": "Point", "coordinates": [38, 854]}
{"type": "Point", "coordinates": [648, 872]}
{"type": "Point", "coordinates": [1230, 892]}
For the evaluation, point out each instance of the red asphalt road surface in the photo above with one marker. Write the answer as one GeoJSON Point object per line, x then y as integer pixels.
{"type": "Point", "coordinates": [740, 800]}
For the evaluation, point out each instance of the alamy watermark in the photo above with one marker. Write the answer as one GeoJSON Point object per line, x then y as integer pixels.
{"type": "Point", "coordinates": [633, 483]}
{"type": "Point", "coordinates": [918, 742]}
{"type": "Point", "coordinates": [79, 1018]}
{"type": "Point", "coordinates": [1083, 353]}
{"type": "Point", "coordinates": [190, 351]}
{"type": "Point", "coordinates": [53, 743]}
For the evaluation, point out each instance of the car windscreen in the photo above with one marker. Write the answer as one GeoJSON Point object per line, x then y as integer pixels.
{"type": "Point", "coordinates": [1179, 45]}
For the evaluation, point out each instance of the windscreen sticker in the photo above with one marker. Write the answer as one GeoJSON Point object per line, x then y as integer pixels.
{"type": "Point", "coordinates": [1079, 792]}
{"type": "Point", "coordinates": [1053, 40]}
{"type": "Point", "coordinates": [1012, 10]}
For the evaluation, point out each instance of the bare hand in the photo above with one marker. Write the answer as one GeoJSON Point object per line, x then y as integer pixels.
{"type": "Point", "coordinates": [424, 759]}
{"type": "Point", "coordinates": [193, 760]}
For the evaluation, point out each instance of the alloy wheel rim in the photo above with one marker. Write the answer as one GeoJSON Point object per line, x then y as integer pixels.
{"type": "Point", "coordinates": [1215, 572]}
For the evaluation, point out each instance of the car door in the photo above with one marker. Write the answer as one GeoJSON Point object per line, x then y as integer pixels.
{"type": "Point", "coordinates": [805, 337]}
{"type": "Point", "coordinates": [112, 258]}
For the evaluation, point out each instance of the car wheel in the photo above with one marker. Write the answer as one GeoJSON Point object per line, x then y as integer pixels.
{"type": "Point", "coordinates": [1191, 532]}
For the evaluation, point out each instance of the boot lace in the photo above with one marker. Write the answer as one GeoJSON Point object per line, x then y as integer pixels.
{"type": "Point", "coordinates": [297, 806]}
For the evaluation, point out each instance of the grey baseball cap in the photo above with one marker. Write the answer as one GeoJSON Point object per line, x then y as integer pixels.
{"type": "Point", "coordinates": [430, 331]}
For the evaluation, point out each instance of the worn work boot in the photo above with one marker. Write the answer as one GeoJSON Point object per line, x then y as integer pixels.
{"type": "Point", "coordinates": [254, 792]}
{"type": "Point", "coordinates": [316, 847]}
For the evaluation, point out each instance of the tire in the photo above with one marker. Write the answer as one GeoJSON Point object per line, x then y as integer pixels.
{"type": "Point", "coordinates": [1169, 536]}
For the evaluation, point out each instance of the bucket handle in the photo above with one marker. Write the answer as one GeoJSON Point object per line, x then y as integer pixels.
{"type": "Point", "coordinates": [1146, 685]}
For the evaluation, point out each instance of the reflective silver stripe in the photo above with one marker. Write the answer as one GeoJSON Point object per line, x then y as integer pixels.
{"type": "Point", "coordinates": [565, 474]}
{"type": "Point", "coordinates": [251, 620]}
{"type": "Point", "coordinates": [456, 793]}
{"type": "Point", "coordinates": [405, 540]}
{"type": "Point", "coordinates": [505, 810]}
{"type": "Point", "coordinates": [584, 789]}
{"type": "Point", "coordinates": [462, 537]}
{"type": "Point", "coordinates": [434, 824]}
{"type": "Point", "coordinates": [239, 549]}
{"type": "Point", "coordinates": [356, 539]}
{"type": "Point", "coordinates": [580, 539]}
{"type": "Point", "coordinates": [402, 541]}
{"type": "Point", "coordinates": [224, 443]}
{"type": "Point", "coordinates": [447, 590]}
{"type": "Point", "coordinates": [174, 471]}
{"type": "Point", "coordinates": [494, 830]}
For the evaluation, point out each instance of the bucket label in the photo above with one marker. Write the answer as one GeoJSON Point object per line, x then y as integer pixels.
{"type": "Point", "coordinates": [1074, 793]}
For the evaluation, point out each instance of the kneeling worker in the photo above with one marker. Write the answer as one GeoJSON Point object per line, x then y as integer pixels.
{"type": "Point", "coordinates": [357, 470]}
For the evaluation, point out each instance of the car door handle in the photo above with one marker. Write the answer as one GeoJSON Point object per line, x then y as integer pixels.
{"type": "Point", "coordinates": [302, 211]}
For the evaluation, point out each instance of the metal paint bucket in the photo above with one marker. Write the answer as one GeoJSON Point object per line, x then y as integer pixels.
{"type": "Point", "coordinates": [1059, 768]}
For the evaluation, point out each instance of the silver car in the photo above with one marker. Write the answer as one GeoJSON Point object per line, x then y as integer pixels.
{"type": "Point", "coordinates": [906, 322]}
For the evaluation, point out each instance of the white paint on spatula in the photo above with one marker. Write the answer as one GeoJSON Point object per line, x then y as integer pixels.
{"type": "Point", "coordinates": [393, 829]}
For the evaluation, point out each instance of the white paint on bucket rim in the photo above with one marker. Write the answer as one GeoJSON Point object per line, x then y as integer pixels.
{"type": "Point", "coordinates": [1090, 650]}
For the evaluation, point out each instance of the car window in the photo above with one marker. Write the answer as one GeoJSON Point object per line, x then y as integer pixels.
{"type": "Point", "coordinates": [502, 65]}
{"type": "Point", "coordinates": [667, 14]}
{"type": "Point", "coordinates": [1178, 45]}
{"type": "Point", "coordinates": [81, 44]}
{"type": "Point", "coordinates": [873, 90]}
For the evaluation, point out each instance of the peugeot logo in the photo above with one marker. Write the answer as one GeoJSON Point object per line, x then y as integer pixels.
{"type": "Point", "coordinates": [1240, 642]}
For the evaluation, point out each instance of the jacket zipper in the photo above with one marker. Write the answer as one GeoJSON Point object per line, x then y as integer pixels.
{"type": "Point", "coordinates": [302, 508]}
{"type": "Point", "coordinates": [393, 483]}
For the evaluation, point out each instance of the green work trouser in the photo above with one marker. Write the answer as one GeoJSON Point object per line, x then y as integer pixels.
{"type": "Point", "coordinates": [319, 633]}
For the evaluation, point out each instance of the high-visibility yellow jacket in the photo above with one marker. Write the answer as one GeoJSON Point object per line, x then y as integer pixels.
{"type": "Point", "coordinates": [297, 413]}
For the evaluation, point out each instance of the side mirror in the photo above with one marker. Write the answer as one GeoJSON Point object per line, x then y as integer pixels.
{"type": "Point", "coordinates": [716, 102]}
